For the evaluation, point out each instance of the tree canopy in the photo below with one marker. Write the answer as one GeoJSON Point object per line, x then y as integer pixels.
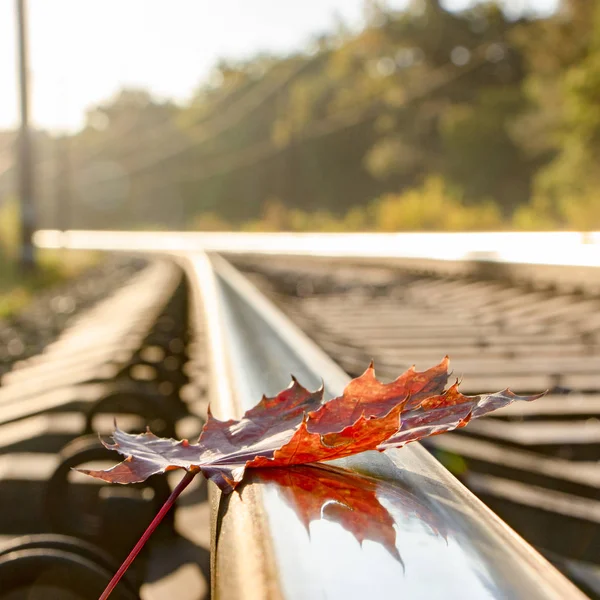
{"type": "Point", "coordinates": [491, 119]}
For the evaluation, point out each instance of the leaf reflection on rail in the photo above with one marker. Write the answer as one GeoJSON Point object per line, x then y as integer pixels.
{"type": "Point", "coordinates": [320, 491]}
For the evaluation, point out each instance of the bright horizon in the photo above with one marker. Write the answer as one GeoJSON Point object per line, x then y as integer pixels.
{"type": "Point", "coordinates": [82, 52]}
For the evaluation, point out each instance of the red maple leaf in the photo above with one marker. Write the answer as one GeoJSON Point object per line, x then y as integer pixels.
{"type": "Point", "coordinates": [299, 427]}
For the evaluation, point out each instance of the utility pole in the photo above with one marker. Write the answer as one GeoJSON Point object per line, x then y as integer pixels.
{"type": "Point", "coordinates": [24, 158]}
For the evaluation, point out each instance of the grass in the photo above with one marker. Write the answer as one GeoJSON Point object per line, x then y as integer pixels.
{"type": "Point", "coordinates": [54, 266]}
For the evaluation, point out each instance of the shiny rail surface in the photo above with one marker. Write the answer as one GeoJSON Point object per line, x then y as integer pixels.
{"type": "Point", "coordinates": [564, 260]}
{"type": "Point", "coordinates": [535, 464]}
{"type": "Point", "coordinates": [266, 544]}
{"type": "Point", "coordinates": [542, 248]}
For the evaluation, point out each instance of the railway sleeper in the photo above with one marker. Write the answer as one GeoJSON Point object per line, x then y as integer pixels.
{"type": "Point", "coordinates": [497, 334]}
{"type": "Point", "coordinates": [38, 418]}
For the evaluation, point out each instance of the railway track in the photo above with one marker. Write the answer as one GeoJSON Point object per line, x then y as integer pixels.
{"type": "Point", "coordinates": [126, 357]}
{"type": "Point", "coordinates": [27, 334]}
{"type": "Point", "coordinates": [536, 465]}
{"type": "Point", "coordinates": [179, 331]}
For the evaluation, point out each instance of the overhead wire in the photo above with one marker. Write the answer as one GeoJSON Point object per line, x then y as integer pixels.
{"type": "Point", "coordinates": [241, 108]}
{"type": "Point", "coordinates": [226, 162]}
{"type": "Point", "coordinates": [263, 150]}
{"type": "Point", "coordinates": [211, 128]}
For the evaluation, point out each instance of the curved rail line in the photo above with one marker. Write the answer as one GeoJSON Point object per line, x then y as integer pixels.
{"type": "Point", "coordinates": [447, 543]}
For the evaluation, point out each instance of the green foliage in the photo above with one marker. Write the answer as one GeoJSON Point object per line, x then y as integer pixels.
{"type": "Point", "coordinates": [575, 211]}
{"type": "Point", "coordinates": [12, 295]}
{"type": "Point", "coordinates": [499, 117]}
{"type": "Point", "coordinates": [9, 230]}
{"type": "Point", "coordinates": [482, 157]}
{"type": "Point", "coordinates": [582, 213]}
{"type": "Point", "coordinates": [537, 215]}
{"type": "Point", "coordinates": [564, 87]}
{"type": "Point", "coordinates": [432, 207]}
{"type": "Point", "coordinates": [210, 221]}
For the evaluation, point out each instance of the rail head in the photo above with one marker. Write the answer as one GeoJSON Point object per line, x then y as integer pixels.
{"type": "Point", "coordinates": [407, 525]}
{"type": "Point", "coordinates": [565, 260]}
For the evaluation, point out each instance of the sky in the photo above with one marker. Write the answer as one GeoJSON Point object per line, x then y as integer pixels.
{"type": "Point", "coordinates": [83, 51]}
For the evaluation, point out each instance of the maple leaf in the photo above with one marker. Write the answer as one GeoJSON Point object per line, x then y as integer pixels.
{"type": "Point", "coordinates": [299, 427]}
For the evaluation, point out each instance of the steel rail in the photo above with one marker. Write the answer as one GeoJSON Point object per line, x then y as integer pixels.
{"type": "Point", "coordinates": [569, 261]}
{"type": "Point", "coordinates": [568, 248]}
{"type": "Point", "coordinates": [448, 540]}
{"type": "Point", "coordinates": [448, 544]}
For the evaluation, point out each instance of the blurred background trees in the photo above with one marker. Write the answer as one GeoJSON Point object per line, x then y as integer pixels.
{"type": "Point", "coordinates": [424, 119]}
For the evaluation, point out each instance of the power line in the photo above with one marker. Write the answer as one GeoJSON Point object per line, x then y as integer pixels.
{"type": "Point", "coordinates": [217, 121]}
{"type": "Point", "coordinates": [267, 149]}
{"type": "Point", "coordinates": [213, 127]}
{"type": "Point", "coordinates": [226, 161]}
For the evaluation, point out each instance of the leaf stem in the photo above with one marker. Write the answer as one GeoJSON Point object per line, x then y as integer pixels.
{"type": "Point", "coordinates": [185, 481]}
